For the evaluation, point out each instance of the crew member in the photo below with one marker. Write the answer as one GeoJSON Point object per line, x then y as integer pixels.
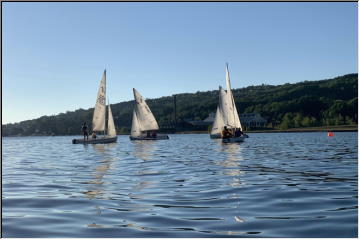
{"type": "Point", "coordinates": [226, 133]}
{"type": "Point", "coordinates": [85, 131]}
{"type": "Point", "coordinates": [93, 135]}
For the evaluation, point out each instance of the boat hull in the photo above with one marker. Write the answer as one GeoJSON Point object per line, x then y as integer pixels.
{"type": "Point", "coordinates": [218, 136]}
{"type": "Point", "coordinates": [215, 136]}
{"type": "Point", "coordinates": [158, 137]}
{"type": "Point", "coordinates": [95, 141]}
{"type": "Point", "coordinates": [234, 139]}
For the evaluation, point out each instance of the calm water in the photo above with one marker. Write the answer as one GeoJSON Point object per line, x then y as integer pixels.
{"type": "Point", "coordinates": [272, 185]}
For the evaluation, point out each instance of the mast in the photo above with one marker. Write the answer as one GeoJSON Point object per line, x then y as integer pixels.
{"type": "Point", "coordinates": [108, 117]}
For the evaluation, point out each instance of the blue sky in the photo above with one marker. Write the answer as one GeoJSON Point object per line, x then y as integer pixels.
{"type": "Point", "coordinates": [54, 53]}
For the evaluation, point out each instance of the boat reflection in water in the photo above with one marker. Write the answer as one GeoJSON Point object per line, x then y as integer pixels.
{"type": "Point", "coordinates": [143, 149]}
{"type": "Point", "coordinates": [98, 186]}
{"type": "Point", "coordinates": [97, 183]}
{"type": "Point", "coordinates": [231, 163]}
{"type": "Point", "coordinates": [234, 157]}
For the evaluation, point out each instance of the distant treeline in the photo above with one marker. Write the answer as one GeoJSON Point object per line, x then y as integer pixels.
{"type": "Point", "coordinates": [304, 104]}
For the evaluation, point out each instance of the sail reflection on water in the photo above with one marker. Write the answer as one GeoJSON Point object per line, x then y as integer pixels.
{"type": "Point", "coordinates": [232, 163]}
{"type": "Point", "coordinates": [144, 150]}
{"type": "Point", "coordinates": [97, 183]}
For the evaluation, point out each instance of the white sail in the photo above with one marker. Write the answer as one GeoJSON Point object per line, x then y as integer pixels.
{"type": "Point", "coordinates": [98, 122]}
{"type": "Point", "coordinates": [111, 125]}
{"type": "Point", "coordinates": [219, 121]}
{"type": "Point", "coordinates": [237, 119]}
{"type": "Point", "coordinates": [143, 113]}
{"type": "Point", "coordinates": [235, 122]}
{"type": "Point", "coordinates": [226, 109]}
{"type": "Point", "coordinates": [135, 126]}
{"type": "Point", "coordinates": [227, 77]}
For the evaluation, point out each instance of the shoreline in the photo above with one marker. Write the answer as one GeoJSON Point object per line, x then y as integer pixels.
{"type": "Point", "coordinates": [290, 130]}
{"type": "Point", "coordinates": [280, 131]}
{"type": "Point", "coordinates": [340, 128]}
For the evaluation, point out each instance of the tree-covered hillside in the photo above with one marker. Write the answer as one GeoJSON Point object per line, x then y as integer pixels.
{"type": "Point", "coordinates": [304, 104]}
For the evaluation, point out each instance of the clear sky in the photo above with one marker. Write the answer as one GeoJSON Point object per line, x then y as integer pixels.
{"type": "Point", "coordinates": [54, 53]}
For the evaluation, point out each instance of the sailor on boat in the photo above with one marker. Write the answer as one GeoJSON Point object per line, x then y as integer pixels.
{"type": "Point", "coordinates": [84, 130]}
{"type": "Point", "coordinates": [238, 132]}
{"type": "Point", "coordinates": [154, 134]}
{"type": "Point", "coordinates": [93, 135]}
{"type": "Point", "coordinates": [226, 133]}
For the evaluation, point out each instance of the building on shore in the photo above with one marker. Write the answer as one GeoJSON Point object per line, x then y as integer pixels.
{"type": "Point", "coordinates": [252, 120]}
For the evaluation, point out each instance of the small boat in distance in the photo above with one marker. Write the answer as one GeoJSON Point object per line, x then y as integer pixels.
{"type": "Point", "coordinates": [144, 125]}
{"type": "Point", "coordinates": [226, 114]}
{"type": "Point", "coordinates": [98, 122]}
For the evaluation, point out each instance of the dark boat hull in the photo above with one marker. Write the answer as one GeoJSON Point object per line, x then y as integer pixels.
{"type": "Point", "coordinates": [95, 141]}
{"type": "Point", "coordinates": [215, 136]}
{"type": "Point", "coordinates": [218, 136]}
{"type": "Point", "coordinates": [234, 139]}
{"type": "Point", "coordinates": [158, 137]}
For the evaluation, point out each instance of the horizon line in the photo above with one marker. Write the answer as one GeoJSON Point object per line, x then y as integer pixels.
{"type": "Point", "coordinates": [55, 114]}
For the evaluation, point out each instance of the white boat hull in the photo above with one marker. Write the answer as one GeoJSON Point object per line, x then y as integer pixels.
{"type": "Point", "coordinates": [95, 140]}
{"type": "Point", "coordinates": [158, 137]}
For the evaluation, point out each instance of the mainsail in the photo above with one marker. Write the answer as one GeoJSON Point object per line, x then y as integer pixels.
{"type": "Point", "coordinates": [226, 109]}
{"type": "Point", "coordinates": [235, 121]}
{"type": "Point", "coordinates": [143, 119]}
{"type": "Point", "coordinates": [111, 125]}
{"type": "Point", "coordinates": [98, 122]}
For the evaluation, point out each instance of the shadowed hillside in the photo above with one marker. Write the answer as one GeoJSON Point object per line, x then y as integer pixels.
{"type": "Point", "coordinates": [303, 104]}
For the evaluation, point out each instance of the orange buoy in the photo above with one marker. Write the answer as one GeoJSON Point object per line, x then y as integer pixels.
{"type": "Point", "coordinates": [330, 134]}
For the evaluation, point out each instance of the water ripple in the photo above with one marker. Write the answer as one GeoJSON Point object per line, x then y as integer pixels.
{"type": "Point", "coordinates": [272, 185]}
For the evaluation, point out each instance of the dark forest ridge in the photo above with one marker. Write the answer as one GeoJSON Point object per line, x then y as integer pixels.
{"type": "Point", "coordinates": [303, 104]}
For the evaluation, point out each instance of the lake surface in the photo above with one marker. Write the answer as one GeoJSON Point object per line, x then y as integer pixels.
{"type": "Point", "coordinates": [271, 185]}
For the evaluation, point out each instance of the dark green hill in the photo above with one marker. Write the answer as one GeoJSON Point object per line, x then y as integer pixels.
{"type": "Point", "coordinates": [304, 104]}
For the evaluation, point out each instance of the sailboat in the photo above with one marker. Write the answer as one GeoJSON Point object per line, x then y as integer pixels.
{"type": "Point", "coordinates": [226, 113]}
{"type": "Point", "coordinates": [144, 125]}
{"type": "Point", "coordinates": [98, 122]}
{"type": "Point", "coordinates": [219, 116]}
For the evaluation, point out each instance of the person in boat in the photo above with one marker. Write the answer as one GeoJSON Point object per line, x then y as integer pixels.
{"type": "Point", "coordinates": [231, 132]}
{"type": "Point", "coordinates": [226, 133]}
{"type": "Point", "coordinates": [93, 135]}
{"type": "Point", "coordinates": [238, 132]}
{"type": "Point", "coordinates": [154, 134]}
{"type": "Point", "coordinates": [85, 131]}
{"type": "Point", "coordinates": [147, 133]}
